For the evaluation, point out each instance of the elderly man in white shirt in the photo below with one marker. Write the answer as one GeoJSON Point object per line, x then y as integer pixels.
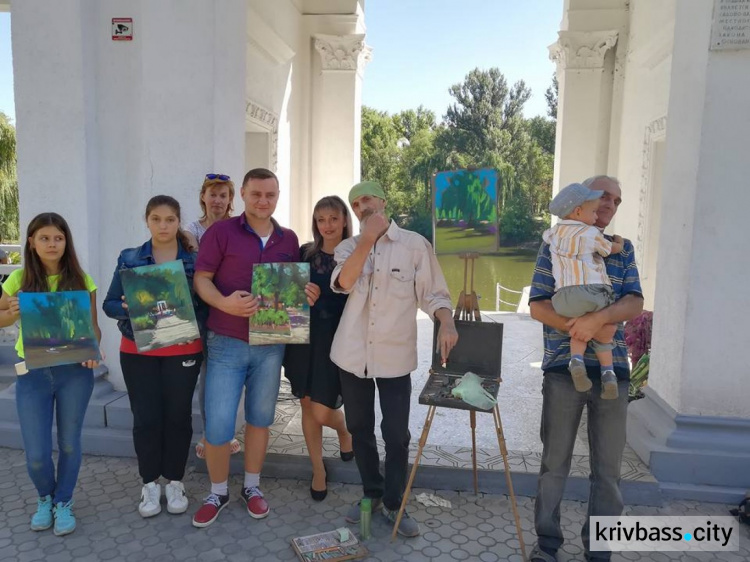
{"type": "Point", "coordinates": [388, 273]}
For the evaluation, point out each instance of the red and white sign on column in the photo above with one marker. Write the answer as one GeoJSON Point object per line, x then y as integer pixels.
{"type": "Point", "coordinates": [122, 29]}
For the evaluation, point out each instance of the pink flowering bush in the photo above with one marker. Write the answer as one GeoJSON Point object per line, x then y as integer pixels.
{"type": "Point", "coordinates": [638, 335]}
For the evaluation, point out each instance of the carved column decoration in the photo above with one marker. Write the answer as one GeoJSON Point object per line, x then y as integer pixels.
{"type": "Point", "coordinates": [582, 49]}
{"type": "Point", "coordinates": [343, 52]}
{"type": "Point", "coordinates": [268, 120]}
{"type": "Point", "coordinates": [655, 131]}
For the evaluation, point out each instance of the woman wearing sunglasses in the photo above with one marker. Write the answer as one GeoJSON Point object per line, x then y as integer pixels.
{"type": "Point", "coordinates": [216, 198]}
{"type": "Point", "coordinates": [217, 195]}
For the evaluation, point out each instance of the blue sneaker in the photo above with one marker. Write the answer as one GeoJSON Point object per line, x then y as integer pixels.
{"type": "Point", "coordinates": [65, 522]}
{"type": "Point", "coordinates": [42, 519]}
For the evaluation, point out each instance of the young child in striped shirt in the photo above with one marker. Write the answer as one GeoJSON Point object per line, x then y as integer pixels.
{"type": "Point", "coordinates": [578, 249]}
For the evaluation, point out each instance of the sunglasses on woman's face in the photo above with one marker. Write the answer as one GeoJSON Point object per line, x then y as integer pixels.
{"type": "Point", "coordinates": [221, 177]}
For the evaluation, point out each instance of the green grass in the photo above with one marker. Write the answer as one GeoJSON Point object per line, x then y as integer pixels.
{"type": "Point", "coordinates": [450, 240]}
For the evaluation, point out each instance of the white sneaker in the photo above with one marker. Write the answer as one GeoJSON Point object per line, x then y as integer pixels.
{"type": "Point", "coordinates": [177, 501]}
{"type": "Point", "coordinates": [150, 500]}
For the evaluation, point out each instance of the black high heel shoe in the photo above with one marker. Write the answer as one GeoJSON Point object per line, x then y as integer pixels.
{"type": "Point", "coordinates": [319, 495]}
{"type": "Point", "coordinates": [346, 456]}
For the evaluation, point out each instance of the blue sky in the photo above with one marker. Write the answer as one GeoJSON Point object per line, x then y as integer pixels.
{"type": "Point", "coordinates": [422, 47]}
{"type": "Point", "coordinates": [6, 67]}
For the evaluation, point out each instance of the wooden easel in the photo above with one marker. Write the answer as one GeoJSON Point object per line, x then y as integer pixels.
{"type": "Point", "coordinates": [468, 304]}
{"type": "Point", "coordinates": [467, 309]}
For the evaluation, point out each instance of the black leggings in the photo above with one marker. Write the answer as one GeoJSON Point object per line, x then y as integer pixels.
{"type": "Point", "coordinates": [161, 397]}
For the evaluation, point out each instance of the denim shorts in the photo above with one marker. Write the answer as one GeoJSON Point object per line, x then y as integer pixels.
{"type": "Point", "coordinates": [232, 364]}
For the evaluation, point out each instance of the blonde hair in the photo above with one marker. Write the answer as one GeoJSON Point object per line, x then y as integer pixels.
{"type": "Point", "coordinates": [217, 183]}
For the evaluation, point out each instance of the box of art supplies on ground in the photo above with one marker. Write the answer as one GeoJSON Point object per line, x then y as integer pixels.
{"type": "Point", "coordinates": [331, 546]}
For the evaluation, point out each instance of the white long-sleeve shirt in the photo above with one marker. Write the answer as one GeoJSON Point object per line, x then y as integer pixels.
{"type": "Point", "coordinates": [378, 329]}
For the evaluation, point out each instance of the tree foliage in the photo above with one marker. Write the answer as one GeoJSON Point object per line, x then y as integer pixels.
{"type": "Point", "coordinates": [59, 317]}
{"type": "Point", "coordinates": [483, 127]}
{"type": "Point", "coordinates": [551, 96]}
{"type": "Point", "coordinates": [8, 181]}
{"type": "Point", "coordinates": [146, 287]}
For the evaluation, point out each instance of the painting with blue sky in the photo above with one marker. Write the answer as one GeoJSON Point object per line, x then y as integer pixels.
{"type": "Point", "coordinates": [465, 211]}
{"type": "Point", "coordinates": [57, 328]}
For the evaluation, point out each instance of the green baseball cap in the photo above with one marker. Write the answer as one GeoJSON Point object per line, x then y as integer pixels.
{"type": "Point", "coordinates": [366, 188]}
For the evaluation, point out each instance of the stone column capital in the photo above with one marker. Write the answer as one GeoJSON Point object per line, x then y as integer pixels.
{"type": "Point", "coordinates": [582, 49]}
{"type": "Point", "coordinates": [343, 52]}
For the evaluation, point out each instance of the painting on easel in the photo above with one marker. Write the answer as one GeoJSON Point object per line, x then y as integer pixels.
{"type": "Point", "coordinates": [465, 211]}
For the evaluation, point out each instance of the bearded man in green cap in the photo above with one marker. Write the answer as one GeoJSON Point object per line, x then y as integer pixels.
{"type": "Point", "coordinates": [388, 273]}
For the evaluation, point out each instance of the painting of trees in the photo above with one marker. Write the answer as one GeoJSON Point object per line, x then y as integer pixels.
{"type": "Point", "coordinates": [284, 314]}
{"type": "Point", "coordinates": [466, 211]}
{"type": "Point", "coordinates": [160, 305]}
{"type": "Point", "coordinates": [57, 328]}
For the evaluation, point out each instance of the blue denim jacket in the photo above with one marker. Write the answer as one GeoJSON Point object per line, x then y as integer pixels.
{"type": "Point", "coordinates": [136, 257]}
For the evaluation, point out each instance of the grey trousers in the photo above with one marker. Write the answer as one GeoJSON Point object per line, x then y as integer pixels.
{"type": "Point", "coordinates": [562, 406]}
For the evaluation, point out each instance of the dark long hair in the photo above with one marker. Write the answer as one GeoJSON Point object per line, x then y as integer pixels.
{"type": "Point", "coordinates": [72, 277]}
{"type": "Point", "coordinates": [335, 203]}
{"type": "Point", "coordinates": [172, 203]}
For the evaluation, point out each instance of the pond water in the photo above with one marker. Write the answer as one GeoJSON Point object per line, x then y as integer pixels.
{"type": "Point", "coordinates": [511, 267]}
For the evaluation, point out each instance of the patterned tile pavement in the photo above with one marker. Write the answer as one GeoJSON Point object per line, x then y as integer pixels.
{"type": "Point", "coordinates": [109, 527]}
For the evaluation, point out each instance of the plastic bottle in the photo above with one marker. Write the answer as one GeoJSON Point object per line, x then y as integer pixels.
{"type": "Point", "coordinates": [365, 518]}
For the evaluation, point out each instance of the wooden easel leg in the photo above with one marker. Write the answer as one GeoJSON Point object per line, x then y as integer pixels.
{"type": "Point", "coordinates": [422, 442]}
{"type": "Point", "coordinates": [508, 481]}
{"type": "Point", "coordinates": [473, 420]}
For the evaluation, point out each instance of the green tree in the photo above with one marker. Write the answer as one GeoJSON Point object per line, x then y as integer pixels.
{"type": "Point", "coordinates": [542, 130]}
{"type": "Point", "coordinates": [379, 147]}
{"type": "Point", "coordinates": [8, 181]}
{"type": "Point", "coordinates": [484, 127]}
{"type": "Point", "coordinates": [486, 111]}
{"type": "Point", "coordinates": [551, 96]}
{"type": "Point", "coordinates": [411, 122]}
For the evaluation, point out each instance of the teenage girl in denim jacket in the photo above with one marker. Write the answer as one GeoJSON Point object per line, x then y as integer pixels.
{"type": "Point", "coordinates": [160, 382]}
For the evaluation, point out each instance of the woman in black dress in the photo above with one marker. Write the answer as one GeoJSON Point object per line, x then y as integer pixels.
{"type": "Point", "coordinates": [314, 377]}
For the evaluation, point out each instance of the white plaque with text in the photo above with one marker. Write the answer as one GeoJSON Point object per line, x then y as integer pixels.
{"type": "Point", "coordinates": [731, 27]}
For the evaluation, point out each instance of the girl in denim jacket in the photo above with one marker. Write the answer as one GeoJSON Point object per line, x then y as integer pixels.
{"type": "Point", "coordinates": [160, 382]}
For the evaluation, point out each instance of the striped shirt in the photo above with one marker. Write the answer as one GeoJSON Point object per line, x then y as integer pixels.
{"type": "Point", "coordinates": [623, 275]}
{"type": "Point", "coordinates": [577, 252]}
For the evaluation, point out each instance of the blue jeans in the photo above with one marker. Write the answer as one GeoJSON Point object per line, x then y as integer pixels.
{"type": "Point", "coordinates": [562, 406]}
{"type": "Point", "coordinates": [232, 364]}
{"type": "Point", "coordinates": [64, 390]}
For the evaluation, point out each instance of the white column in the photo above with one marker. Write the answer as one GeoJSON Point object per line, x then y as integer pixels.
{"type": "Point", "coordinates": [336, 114]}
{"type": "Point", "coordinates": [104, 125]}
{"type": "Point", "coordinates": [694, 425]}
{"type": "Point", "coordinates": [54, 117]}
{"type": "Point", "coordinates": [585, 77]}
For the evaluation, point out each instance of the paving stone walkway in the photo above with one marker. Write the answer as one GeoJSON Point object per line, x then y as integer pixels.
{"type": "Point", "coordinates": [110, 528]}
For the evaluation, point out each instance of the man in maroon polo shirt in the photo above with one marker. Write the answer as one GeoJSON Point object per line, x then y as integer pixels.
{"type": "Point", "coordinates": [223, 278]}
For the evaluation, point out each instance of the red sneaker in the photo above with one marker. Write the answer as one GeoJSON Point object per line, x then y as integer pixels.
{"type": "Point", "coordinates": [257, 507]}
{"type": "Point", "coordinates": [210, 510]}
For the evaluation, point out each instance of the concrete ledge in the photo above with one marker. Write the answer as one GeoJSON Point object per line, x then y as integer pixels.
{"type": "Point", "coordinates": [693, 457]}
{"type": "Point", "coordinates": [94, 441]}
{"type": "Point", "coordinates": [716, 494]}
{"type": "Point", "coordinates": [442, 478]}
{"type": "Point", "coordinates": [119, 415]}
{"type": "Point", "coordinates": [102, 395]}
